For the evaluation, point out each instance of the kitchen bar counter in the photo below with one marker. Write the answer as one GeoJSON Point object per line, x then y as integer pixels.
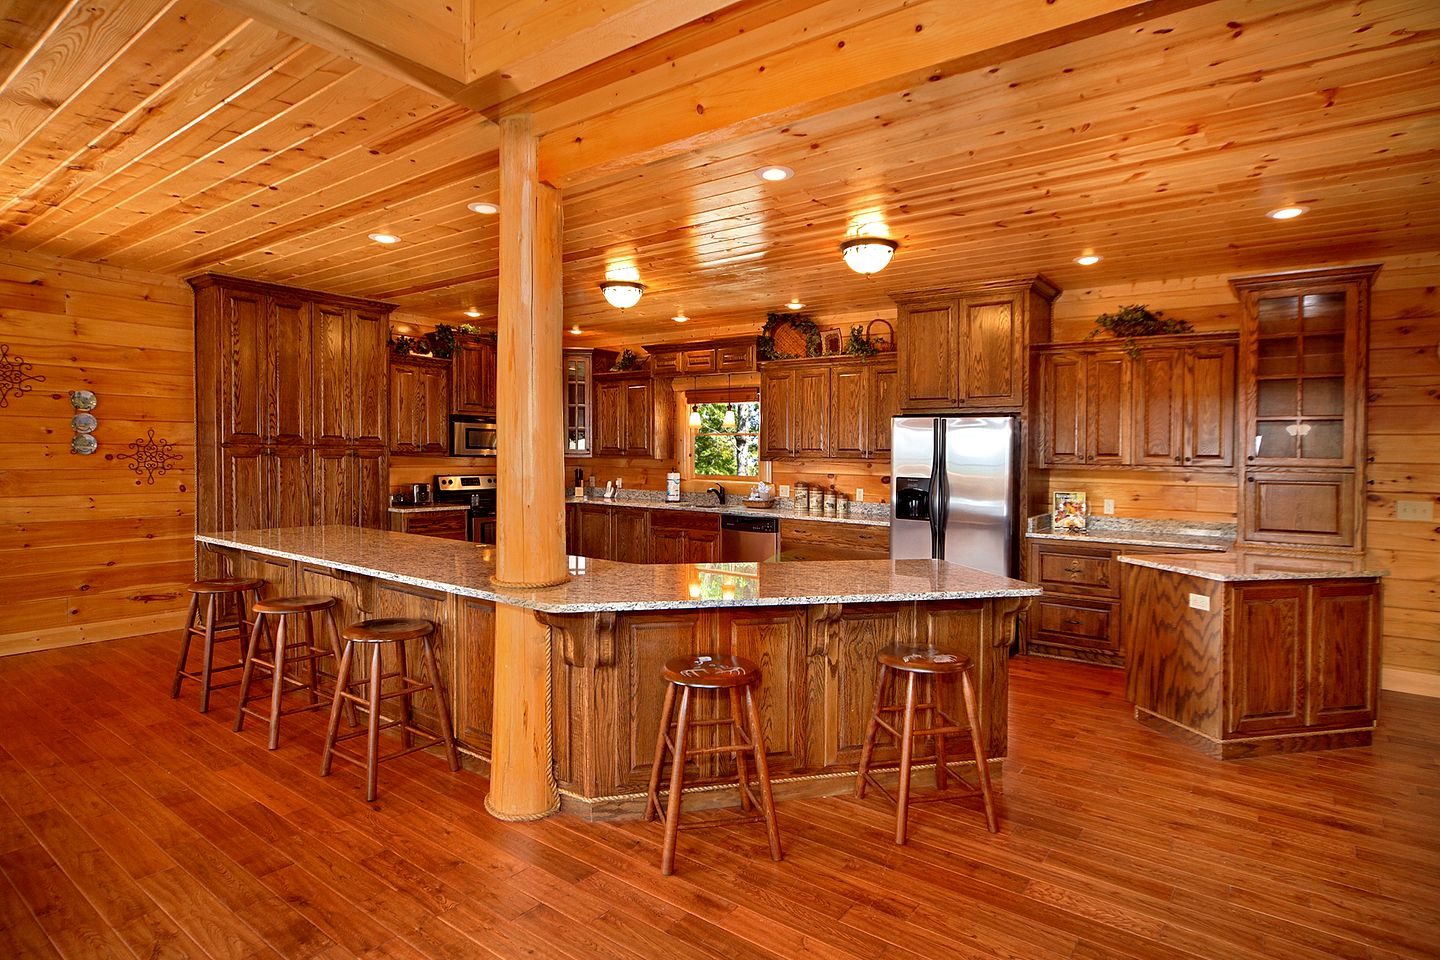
{"type": "Point", "coordinates": [1125, 531]}
{"type": "Point", "coordinates": [1253, 565]}
{"type": "Point", "coordinates": [813, 627]}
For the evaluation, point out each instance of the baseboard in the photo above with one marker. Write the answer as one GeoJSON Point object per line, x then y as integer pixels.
{"type": "Point", "coordinates": [1410, 681]}
{"type": "Point", "coordinates": [75, 634]}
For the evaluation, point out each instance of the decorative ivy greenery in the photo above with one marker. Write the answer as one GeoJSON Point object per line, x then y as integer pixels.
{"type": "Point", "coordinates": [1134, 321]}
{"type": "Point", "coordinates": [442, 341]}
{"type": "Point", "coordinates": [401, 345]}
{"type": "Point", "coordinates": [859, 345]}
{"type": "Point", "coordinates": [626, 361]}
{"type": "Point", "coordinates": [765, 343]}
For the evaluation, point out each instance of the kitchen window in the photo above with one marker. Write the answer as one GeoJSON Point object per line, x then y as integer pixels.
{"type": "Point", "coordinates": [726, 441]}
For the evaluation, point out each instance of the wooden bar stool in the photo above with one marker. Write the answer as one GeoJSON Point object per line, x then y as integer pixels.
{"type": "Point", "coordinates": [211, 630]}
{"type": "Point", "coordinates": [928, 668]}
{"type": "Point", "coordinates": [286, 652]}
{"type": "Point", "coordinates": [689, 674]}
{"type": "Point", "coordinates": [376, 634]}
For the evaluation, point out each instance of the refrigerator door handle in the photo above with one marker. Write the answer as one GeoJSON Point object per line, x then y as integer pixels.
{"type": "Point", "coordinates": [939, 493]}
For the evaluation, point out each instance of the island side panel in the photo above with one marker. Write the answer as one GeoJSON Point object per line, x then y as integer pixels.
{"type": "Point", "coordinates": [1174, 652]}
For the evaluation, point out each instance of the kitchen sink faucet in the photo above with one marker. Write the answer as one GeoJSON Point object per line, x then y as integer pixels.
{"type": "Point", "coordinates": [719, 492]}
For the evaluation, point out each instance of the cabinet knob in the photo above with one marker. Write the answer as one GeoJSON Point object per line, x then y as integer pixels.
{"type": "Point", "coordinates": [1250, 479]}
{"type": "Point", "coordinates": [1188, 459]}
{"type": "Point", "coordinates": [1072, 621]}
{"type": "Point", "coordinates": [1177, 458]}
{"type": "Point", "coordinates": [1251, 457]}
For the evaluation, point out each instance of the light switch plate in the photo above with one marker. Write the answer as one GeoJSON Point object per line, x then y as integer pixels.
{"type": "Point", "coordinates": [859, 494]}
{"type": "Point", "coordinates": [1422, 510]}
{"type": "Point", "coordinates": [1109, 506]}
{"type": "Point", "coordinates": [1199, 601]}
{"type": "Point", "coordinates": [784, 489]}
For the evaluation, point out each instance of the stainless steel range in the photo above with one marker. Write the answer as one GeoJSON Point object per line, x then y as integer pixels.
{"type": "Point", "coordinates": [478, 492]}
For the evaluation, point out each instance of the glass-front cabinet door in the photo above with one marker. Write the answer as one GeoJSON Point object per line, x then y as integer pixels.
{"type": "Point", "coordinates": [1302, 378]}
{"type": "Point", "coordinates": [579, 410]}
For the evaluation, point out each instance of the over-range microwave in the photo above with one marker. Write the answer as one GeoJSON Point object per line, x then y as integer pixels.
{"type": "Point", "coordinates": [472, 437]}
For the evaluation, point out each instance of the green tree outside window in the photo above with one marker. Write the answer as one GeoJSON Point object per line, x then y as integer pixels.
{"type": "Point", "coordinates": [724, 452]}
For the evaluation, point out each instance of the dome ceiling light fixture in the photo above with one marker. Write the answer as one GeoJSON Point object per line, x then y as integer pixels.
{"type": "Point", "coordinates": [483, 207]}
{"type": "Point", "coordinates": [622, 294]}
{"type": "Point", "coordinates": [866, 255]}
{"type": "Point", "coordinates": [1288, 213]}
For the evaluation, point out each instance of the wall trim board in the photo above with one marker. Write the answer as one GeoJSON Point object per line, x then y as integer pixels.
{"type": "Point", "coordinates": [33, 641]}
{"type": "Point", "coordinates": [1410, 681]}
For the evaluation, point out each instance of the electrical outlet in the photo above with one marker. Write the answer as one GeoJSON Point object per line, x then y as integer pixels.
{"type": "Point", "coordinates": [1199, 601]}
{"type": "Point", "coordinates": [1109, 507]}
{"type": "Point", "coordinates": [784, 489]}
{"type": "Point", "coordinates": [1422, 510]}
{"type": "Point", "coordinates": [859, 494]}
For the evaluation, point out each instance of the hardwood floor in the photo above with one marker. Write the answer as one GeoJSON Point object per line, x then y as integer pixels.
{"type": "Point", "coordinates": [133, 826]}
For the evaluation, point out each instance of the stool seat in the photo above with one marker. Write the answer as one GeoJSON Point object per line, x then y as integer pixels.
{"type": "Point", "coordinates": [226, 585]}
{"type": "Point", "coordinates": [923, 660]}
{"type": "Point", "coordinates": [710, 672]}
{"type": "Point", "coordinates": [307, 603]}
{"type": "Point", "coordinates": [387, 631]}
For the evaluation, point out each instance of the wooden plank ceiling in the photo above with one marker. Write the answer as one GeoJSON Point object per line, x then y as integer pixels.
{"type": "Point", "coordinates": [268, 139]}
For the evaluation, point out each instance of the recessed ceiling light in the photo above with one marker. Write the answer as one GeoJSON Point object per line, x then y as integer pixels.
{"type": "Point", "coordinates": [472, 313]}
{"type": "Point", "coordinates": [775, 174]}
{"type": "Point", "coordinates": [489, 209]}
{"type": "Point", "coordinates": [575, 329]}
{"type": "Point", "coordinates": [384, 238]}
{"type": "Point", "coordinates": [1287, 213]}
{"type": "Point", "coordinates": [680, 317]}
{"type": "Point", "coordinates": [794, 305]}
{"type": "Point", "coordinates": [1089, 260]}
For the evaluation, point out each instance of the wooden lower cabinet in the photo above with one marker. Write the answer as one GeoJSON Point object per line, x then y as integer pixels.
{"type": "Point", "coordinates": [450, 524]}
{"type": "Point", "coordinates": [1243, 668]}
{"type": "Point", "coordinates": [603, 531]}
{"type": "Point", "coordinates": [823, 540]}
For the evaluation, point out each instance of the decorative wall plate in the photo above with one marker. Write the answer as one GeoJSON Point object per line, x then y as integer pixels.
{"type": "Point", "coordinates": [83, 443]}
{"type": "Point", "coordinates": [83, 400]}
{"type": "Point", "coordinates": [83, 422]}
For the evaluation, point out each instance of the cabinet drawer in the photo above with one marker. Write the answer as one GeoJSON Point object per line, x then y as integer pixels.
{"type": "Point", "coordinates": [736, 358]}
{"type": "Point", "coordinates": [684, 520]}
{"type": "Point", "coordinates": [1075, 623]}
{"type": "Point", "coordinates": [1070, 571]}
{"type": "Point", "coordinates": [698, 361]}
{"type": "Point", "coordinates": [820, 540]}
{"type": "Point", "coordinates": [440, 523]}
{"type": "Point", "coordinates": [665, 363]}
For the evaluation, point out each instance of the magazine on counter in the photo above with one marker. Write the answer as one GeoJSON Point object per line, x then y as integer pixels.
{"type": "Point", "coordinates": [1069, 511]}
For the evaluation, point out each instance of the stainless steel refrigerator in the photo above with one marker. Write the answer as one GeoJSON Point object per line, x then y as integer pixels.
{"type": "Point", "coordinates": [955, 490]}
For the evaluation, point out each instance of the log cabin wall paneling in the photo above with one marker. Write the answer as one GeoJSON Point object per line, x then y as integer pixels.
{"type": "Point", "coordinates": [90, 547]}
{"type": "Point", "coordinates": [1403, 443]}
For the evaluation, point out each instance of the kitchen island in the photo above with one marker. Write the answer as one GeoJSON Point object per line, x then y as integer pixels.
{"type": "Point", "coordinates": [814, 629]}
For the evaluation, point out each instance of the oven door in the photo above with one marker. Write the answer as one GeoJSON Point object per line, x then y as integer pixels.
{"type": "Point", "coordinates": [482, 529]}
{"type": "Point", "coordinates": [472, 437]}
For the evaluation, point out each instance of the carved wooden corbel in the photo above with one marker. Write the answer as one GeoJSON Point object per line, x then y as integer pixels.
{"type": "Point", "coordinates": [605, 639]}
{"type": "Point", "coordinates": [564, 638]}
{"type": "Point", "coordinates": [1007, 619]}
{"type": "Point", "coordinates": [824, 630]}
{"type": "Point", "coordinates": [365, 587]}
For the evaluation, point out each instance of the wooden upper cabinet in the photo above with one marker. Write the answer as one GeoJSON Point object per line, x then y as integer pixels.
{"type": "Point", "coordinates": [835, 408]}
{"type": "Point", "coordinates": [1209, 412]}
{"type": "Point", "coordinates": [242, 338]}
{"type": "Point", "coordinates": [419, 405]}
{"type": "Point", "coordinates": [777, 389]}
{"type": "Point", "coordinates": [366, 337]}
{"type": "Point", "coordinates": [632, 417]}
{"type": "Point", "coordinates": [290, 380]}
{"type": "Point", "coordinates": [640, 418]}
{"type": "Point", "coordinates": [609, 418]}
{"type": "Point", "coordinates": [472, 377]}
{"type": "Point", "coordinates": [1159, 403]}
{"type": "Point", "coordinates": [1085, 408]}
{"type": "Point", "coordinates": [811, 410]}
{"type": "Point", "coordinates": [850, 412]}
{"type": "Point", "coordinates": [884, 397]}
{"type": "Point", "coordinates": [925, 336]}
{"type": "Point", "coordinates": [332, 414]}
{"type": "Point", "coordinates": [1107, 408]}
{"type": "Point", "coordinates": [1062, 409]}
{"type": "Point", "coordinates": [967, 348]}
{"type": "Point", "coordinates": [724, 355]}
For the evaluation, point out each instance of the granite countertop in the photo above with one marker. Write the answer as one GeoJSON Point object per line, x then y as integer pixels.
{"type": "Point", "coordinates": [597, 585]}
{"type": "Point", "coordinates": [428, 507]}
{"type": "Point", "coordinates": [735, 506]}
{"type": "Point", "coordinates": [1248, 565]}
{"type": "Point", "coordinates": [1140, 533]}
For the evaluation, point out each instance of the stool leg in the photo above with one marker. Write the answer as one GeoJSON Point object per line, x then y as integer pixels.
{"type": "Point", "coordinates": [652, 802]}
{"type": "Point", "coordinates": [405, 712]}
{"type": "Point", "coordinates": [185, 644]}
{"type": "Point", "coordinates": [249, 672]}
{"type": "Point", "coordinates": [335, 644]}
{"type": "Point", "coordinates": [882, 689]}
{"type": "Point", "coordinates": [737, 721]}
{"type": "Point", "coordinates": [677, 786]}
{"type": "Point", "coordinates": [907, 749]}
{"type": "Point", "coordinates": [342, 677]}
{"type": "Point", "coordinates": [441, 706]}
{"type": "Point", "coordinates": [982, 768]}
{"type": "Point", "coordinates": [209, 663]}
{"type": "Point", "coordinates": [241, 633]}
{"type": "Point", "coordinates": [762, 773]}
{"type": "Point", "coordinates": [372, 733]}
{"type": "Point", "coordinates": [277, 681]}
{"type": "Point", "coordinates": [937, 716]}
{"type": "Point", "coordinates": [313, 674]}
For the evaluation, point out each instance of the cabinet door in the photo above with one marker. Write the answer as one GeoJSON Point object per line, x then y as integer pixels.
{"type": "Point", "coordinates": [1107, 404]}
{"type": "Point", "coordinates": [1210, 406]}
{"type": "Point", "coordinates": [290, 490]}
{"type": "Point", "coordinates": [1062, 409]}
{"type": "Point", "coordinates": [667, 545]}
{"type": "Point", "coordinates": [473, 377]}
{"type": "Point", "coordinates": [774, 639]}
{"type": "Point", "coordinates": [246, 479]}
{"type": "Point", "coordinates": [595, 531]}
{"type": "Point", "coordinates": [1299, 507]}
{"type": "Point", "coordinates": [640, 418]}
{"type": "Point", "coordinates": [364, 384]}
{"type": "Point", "coordinates": [1344, 653]}
{"type": "Point", "coordinates": [336, 485]}
{"type": "Point", "coordinates": [811, 406]}
{"type": "Point", "coordinates": [884, 407]}
{"type": "Point", "coordinates": [629, 534]}
{"type": "Point", "coordinates": [610, 419]}
{"type": "Point", "coordinates": [434, 411]}
{"type": "Point", "coordinates": [1158, 407]}
{"type": "Point", "coordinates": [291, 376]}
{"type": "Point", "coordinates": [776, 419]}
{"type": "Point", "coordinates": [1266, 664]}
{"type": "Point", "coordinates": [244, 368]}
{"type": "Point", "coordinates": [849, 427]}
{"type": "Point", "coordinates": [372, 487]}
{"type": "Point", "coordinates": [406, 416]}
{"type": "Point", "coordinates": [332, 418]}
{"type": "Point", "coordinates": [847, 664]}
{"type": "Point", "coordinates": [989, 338]}
{"type": "Point", "coordinates": [925, 337]}
{"type": "Point", "coordinates": [702, 546]}
{"type": "Point", "coordinates": [572, 530]}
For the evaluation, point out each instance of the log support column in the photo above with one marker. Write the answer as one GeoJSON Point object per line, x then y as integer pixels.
{"type": "Point", "coordinates": [530, 469]}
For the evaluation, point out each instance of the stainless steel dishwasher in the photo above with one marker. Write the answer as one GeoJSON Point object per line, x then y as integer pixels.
{"type": "Point", "coordinates": [749, 538]}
